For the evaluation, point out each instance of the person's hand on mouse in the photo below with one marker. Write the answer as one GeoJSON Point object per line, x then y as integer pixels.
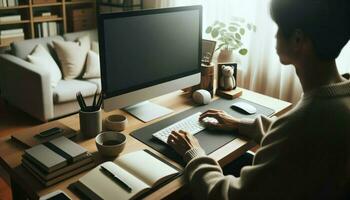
{"type": "Point", "coordinates": [225, 121]}
{"type": "Point", "coordinates": [181, 142]}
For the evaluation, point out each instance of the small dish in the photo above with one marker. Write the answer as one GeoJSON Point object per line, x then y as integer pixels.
{"type": "Point", "coordinates": [115, 122]}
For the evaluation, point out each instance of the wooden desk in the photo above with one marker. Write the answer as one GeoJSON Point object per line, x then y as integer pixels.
{"type": "Point", "coordinates": [25, 185]}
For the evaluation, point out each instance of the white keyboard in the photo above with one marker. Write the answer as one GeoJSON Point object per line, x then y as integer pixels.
{"type": "Point", "coordinates": [190, 124]}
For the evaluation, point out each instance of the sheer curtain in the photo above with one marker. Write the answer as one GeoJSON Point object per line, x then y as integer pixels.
{"type": "Point", "coordinates": [260, 70]}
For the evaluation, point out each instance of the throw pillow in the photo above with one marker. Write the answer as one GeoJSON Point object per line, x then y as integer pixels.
{"type": "Point", "coordinates": [95, 47]}
{"type": "Point", "coordinates": [92, 66]}
{"type": "Point", "coordinates": [42, 58]}
{"type": "Point", "coordinates": [72, 58]}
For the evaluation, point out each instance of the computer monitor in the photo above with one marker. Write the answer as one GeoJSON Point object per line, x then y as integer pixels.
{"type": "Point", "coordinates": [146, 54]}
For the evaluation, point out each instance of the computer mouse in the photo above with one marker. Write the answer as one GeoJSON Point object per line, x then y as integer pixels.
{"type": "Point", "coordinates": [244, 108]}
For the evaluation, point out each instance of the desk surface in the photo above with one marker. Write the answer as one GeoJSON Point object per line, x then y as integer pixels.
{"type": "Point", "coordinates": [11, 152]}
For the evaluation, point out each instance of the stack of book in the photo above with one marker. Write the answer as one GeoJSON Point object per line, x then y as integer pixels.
{"type": "Point", "coordinates": [56, 160]}
{"type": "Point", "coordinates": [11, 35]}
{"type": "Point", "coordinates": [8, 3]}
{"type": "Point", "coordinates": [46, 29]}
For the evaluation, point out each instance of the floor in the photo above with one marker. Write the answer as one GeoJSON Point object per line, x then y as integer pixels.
{"type": "Point", "coordinates": [11, 120]}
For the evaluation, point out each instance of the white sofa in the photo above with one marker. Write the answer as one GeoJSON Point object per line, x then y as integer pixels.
{"type": "Point", "coordinates": [25, 86]}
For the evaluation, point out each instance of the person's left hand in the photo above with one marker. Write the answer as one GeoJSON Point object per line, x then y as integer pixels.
{"type": "Point", "coordinates": [181, 141]}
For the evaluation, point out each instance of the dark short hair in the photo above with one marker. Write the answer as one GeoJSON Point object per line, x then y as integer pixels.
{"type": "Point", "coordinates": [325, 22]}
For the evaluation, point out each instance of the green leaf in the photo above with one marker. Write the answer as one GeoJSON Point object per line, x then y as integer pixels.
{"type": "Point", "coordinates": [215, 33]}
{"type": "Point", "coordinates": [216, 22]}
{"type": "Point", "coordinates": [232, 28]}
{"type": "Point", "coordinates": [249, 26]}
{"type": "Point", "coordinates": [222, 25]}
{"type": "Point", "coordinates": [242, 31]}
{"type": "Point", "coordinates": [243, 52]}
{"type": "Point", "coordinates": [254, 28]}
{"type": "Point", "coordinates": [238, 36]}
{"type": "Point", "coordinates": [235, 24]}
{"type": "Point", "coordinates": [209, 29]}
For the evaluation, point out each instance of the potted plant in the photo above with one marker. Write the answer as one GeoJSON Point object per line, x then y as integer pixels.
{"type": "Point", "coordinates": [229, 37]}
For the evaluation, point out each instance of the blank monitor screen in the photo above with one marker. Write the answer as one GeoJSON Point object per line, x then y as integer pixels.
{"type": "Point", "coordinates": [144, 48]}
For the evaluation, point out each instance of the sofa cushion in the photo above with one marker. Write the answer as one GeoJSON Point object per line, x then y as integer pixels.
{"type": "Point", "coordinates": [72, 58]}
{"type": "Point", "coordinates": [23, 48]}
{"type": "Point", "coordinates": [92, 66]}
{"type": "Point", "coordinates": [97, 82]}
{"type": "Point", "coordinates": [42, 58]}
{"type": "Point", "coordinates": [66, 90]}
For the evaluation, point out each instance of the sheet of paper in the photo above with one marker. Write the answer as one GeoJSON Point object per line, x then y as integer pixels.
{"type": "Point", "coordinates": [145, 166]}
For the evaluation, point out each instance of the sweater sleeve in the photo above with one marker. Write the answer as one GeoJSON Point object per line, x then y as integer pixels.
{"type": "Point", "coordinates": [255, 128]}
{"type": "Point", "coordinates": [207, 180]}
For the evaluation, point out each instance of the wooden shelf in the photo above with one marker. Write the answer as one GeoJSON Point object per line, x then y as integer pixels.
{"type": "Point", "coordinates": [31, 18]}
{"type": "Point", "coordinates": [2, 45]}
{"type": "Point", "coordinates": [79, 2]}
{"type": "Point", "coordinates": [15, 22]}
{"type": "Point", "coordinates": [49, 19]}
{"type": "Point", "coordinates": [46, 5]}
{"type": "Point", "coordinates": [14, 7]}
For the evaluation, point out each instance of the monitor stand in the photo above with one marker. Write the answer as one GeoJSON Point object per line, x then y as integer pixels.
{"type": "Point", "coordinates": [147, 111]}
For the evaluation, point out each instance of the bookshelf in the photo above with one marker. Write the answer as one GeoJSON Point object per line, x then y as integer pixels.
{"type": "Point", "coordinates": [62, 13]}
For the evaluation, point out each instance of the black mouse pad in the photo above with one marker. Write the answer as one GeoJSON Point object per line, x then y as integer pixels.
{"type": "Point", "coordinates": [208, 139]}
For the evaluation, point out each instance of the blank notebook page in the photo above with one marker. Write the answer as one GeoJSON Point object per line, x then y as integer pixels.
{"type": "Point", "coordinates": [145, 167]}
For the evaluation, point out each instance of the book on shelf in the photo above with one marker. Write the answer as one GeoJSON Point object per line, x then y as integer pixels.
{"type": "Point", "coordinates": [7, 39]}
{"type": "Point", "coordinates": [10, 18]}
{"type": "Point", "coordinates": [46, 14]}
{"type": "Point", "coordinates": [44, 1]}
{"type": "Point", "coordinates": [127, 177]}
{"type": "Point", "coordinates": [45, 29]}
{"type": "Point", "coordinates": [8, 3]}
{"type": "Point", "coordinates": [11, 31]}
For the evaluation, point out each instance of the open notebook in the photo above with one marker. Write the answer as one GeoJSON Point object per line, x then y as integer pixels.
{"type": "Point", "coordinates": [140, 170]}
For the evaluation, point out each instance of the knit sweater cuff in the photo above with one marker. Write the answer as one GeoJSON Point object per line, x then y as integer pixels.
{"type": "Point", "coordinates": [193, 153]}
{"type": "Point", "coordinates": [246, 125]}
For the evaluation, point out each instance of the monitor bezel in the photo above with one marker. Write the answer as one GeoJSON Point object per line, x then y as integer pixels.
{"type": "Point", "coordinates": [103, 16]}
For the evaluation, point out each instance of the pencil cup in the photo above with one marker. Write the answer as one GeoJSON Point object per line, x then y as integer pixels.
{"type": "Point", "coordinates": [90, 123]}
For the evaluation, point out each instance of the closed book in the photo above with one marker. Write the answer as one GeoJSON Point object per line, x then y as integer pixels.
{"type": "Point", "coordinates": [8, 41]}
{"type": "Point", "coordinates": [10, 18]}
{"type": "Point", "coordinates": [67, 148]}
{"type": "Point", "coordinates": [1, 3]}
{"type": "Point", "coordinates": [4, 3]}
{"type": "Point", "coordinates": [40, 32]}
{"type": "Point", "coordinates": [14, 35]}
{"type": "Point", "coordinates": [62, 177]}
{"type": "Point", "coordinates": [11, 3]}
{"type": "Point", "coordinates": [48, 176]}
{"type": "Point", "coordinates": [45, 158]}
{"type": "Point", "coordinates": [11, 31]}
{"type": "Point", "coordinates": [52, 28]}
{"type": "Point", "coordinates": [46, 14]}
{"type": "Point", "coordinates": [45, 29]}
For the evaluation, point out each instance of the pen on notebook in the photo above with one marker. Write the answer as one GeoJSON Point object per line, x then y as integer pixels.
{"type": "Point", "coordinates": [115, 179]}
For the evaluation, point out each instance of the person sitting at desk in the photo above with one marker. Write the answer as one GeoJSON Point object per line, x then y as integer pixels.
{"type": "Point", "coordinates": [304, 154]}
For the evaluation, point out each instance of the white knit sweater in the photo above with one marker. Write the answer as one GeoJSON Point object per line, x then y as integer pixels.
{"type": "Point", "coordinates": [304, 154]}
